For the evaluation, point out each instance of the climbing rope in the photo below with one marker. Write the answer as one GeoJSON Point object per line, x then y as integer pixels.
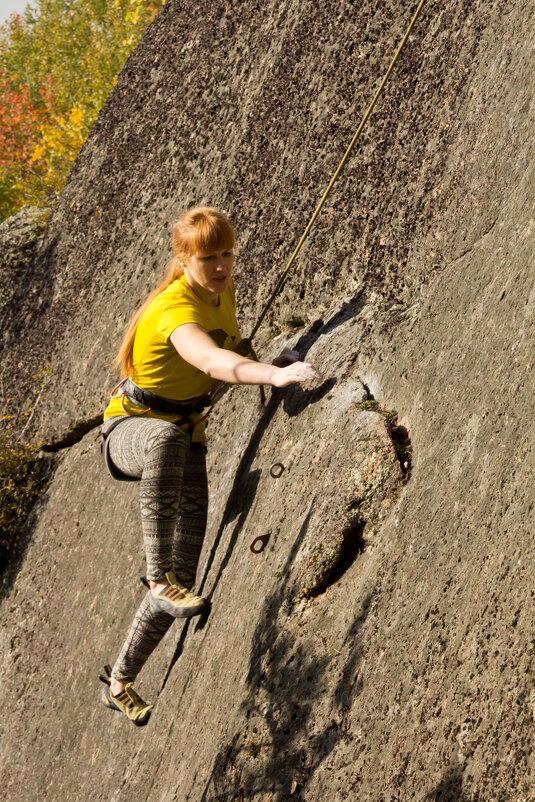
{"type": "Point", "coordinates": [246, 344]}
{"type": "Point", "coordinates": [339, 169]}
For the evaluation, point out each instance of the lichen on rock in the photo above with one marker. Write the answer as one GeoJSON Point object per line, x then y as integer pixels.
{"type": "Point", "coordinates": [352, 506]}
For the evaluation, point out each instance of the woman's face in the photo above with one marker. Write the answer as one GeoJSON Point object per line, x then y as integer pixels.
{"type": "Point", "coordinates": [208, 274]}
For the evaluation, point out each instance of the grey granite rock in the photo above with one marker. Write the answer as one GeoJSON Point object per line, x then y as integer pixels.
{"type": "Point", "coordinates": [381, 646]}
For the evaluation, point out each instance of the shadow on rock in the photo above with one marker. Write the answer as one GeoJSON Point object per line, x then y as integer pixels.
{"type": "Point", "coordinates": [347, 310]}
{"type": "Point", "coordinates": [245, 485]}
{"type": "Point", "coordinates": [19, 517]}
{"type": "Point", "coordinates": [450, 787]}
{"type": "Point", "coordinates": [297, 400]}
{"type": "Point", "coordinates": [238, 504]}
{"type": "Point", "coordinates": [281, 743]}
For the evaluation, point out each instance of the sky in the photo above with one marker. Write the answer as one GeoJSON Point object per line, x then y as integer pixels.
{"type": "Point", "coordinates": [8, 6]}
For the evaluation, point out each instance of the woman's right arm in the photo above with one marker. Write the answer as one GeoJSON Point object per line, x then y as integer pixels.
{"type": "Point", "coordinates": [197, 347]}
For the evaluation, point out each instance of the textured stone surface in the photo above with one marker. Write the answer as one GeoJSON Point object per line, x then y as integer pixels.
{"type": "Point", "coordinates": [250, 106]}
{"type": "Point", "coordinates": [409, 673]}
{"type": "Point", "coordinates": [20, 236]}
{"type": "Point", "coordinates": [93, 544]}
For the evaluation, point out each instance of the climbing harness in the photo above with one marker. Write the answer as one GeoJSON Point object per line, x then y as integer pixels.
{"type": "Point", "coordinates": [144, 398]}
{"type": "Point", "coordinates": [221, 389]}
{"type": "Point", "coordinates": [114, 472]}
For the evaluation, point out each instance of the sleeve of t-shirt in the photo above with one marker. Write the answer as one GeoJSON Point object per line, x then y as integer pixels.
{"type": "Point", "coordinates": [176, 316]}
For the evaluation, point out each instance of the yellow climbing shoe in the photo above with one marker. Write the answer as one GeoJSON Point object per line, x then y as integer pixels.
{"type": "Point", "coordinates": [178, 601]}
{"type": "Point", "coordinates": [128, 701]}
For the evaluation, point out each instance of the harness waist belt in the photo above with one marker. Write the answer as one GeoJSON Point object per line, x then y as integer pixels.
{"type": "Point", "coordinates": [145, 398]}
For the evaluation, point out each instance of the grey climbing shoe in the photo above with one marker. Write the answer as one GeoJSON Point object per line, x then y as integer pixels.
{"type": "Point", "coordinates": [128, 701]}
{"type": "Point", "coordinates": [178, 601]}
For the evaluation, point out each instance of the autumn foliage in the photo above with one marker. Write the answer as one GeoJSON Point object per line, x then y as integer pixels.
{"type": "Point", "coordinates": [58, 64]}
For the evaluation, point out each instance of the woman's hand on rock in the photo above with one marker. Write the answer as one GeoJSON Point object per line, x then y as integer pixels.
{"type": "Point", "coordinates": [296, 372]}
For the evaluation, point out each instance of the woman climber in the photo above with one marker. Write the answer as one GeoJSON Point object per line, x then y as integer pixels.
{"type": "Point", "coordinates": [178, 344]}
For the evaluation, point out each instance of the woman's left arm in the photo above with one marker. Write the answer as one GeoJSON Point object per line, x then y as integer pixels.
{"type": "Point", "coordinates": [197, 347]}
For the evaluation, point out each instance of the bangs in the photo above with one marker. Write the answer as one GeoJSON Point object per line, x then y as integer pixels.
{"type": "Point", "coordinates": [209, 234]}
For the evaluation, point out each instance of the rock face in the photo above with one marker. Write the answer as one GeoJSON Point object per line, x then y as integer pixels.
{"type": "Point", "coordinates": [20, 237]}
{"type": "Point", "coordinates": [381, 646]}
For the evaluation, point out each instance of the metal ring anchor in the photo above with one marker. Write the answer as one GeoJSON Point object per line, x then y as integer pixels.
{"type": "Point", "coordinates": [276, 469]}
{"type": "Point", "coordinates": [259, 543]}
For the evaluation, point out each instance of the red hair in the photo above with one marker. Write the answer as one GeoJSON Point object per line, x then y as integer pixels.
{"type": "Point", "coordinates": [200, 230]}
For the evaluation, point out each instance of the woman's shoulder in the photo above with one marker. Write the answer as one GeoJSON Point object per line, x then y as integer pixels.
{"type": "Point", "coordinates": [177, 293]}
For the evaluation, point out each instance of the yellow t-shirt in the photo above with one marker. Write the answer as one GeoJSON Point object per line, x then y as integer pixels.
{"type": "Point", "coordinates": [158, 366]}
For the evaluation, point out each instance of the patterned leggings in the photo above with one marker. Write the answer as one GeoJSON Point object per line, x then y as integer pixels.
{"type": "Point", "coordinates": [174, 501]}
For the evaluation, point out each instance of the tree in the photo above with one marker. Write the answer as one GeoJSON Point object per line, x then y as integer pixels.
{"type": "Point", "coordinates": [19, 131]}
{"type": "Point", "coordinates": [58, 64]}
